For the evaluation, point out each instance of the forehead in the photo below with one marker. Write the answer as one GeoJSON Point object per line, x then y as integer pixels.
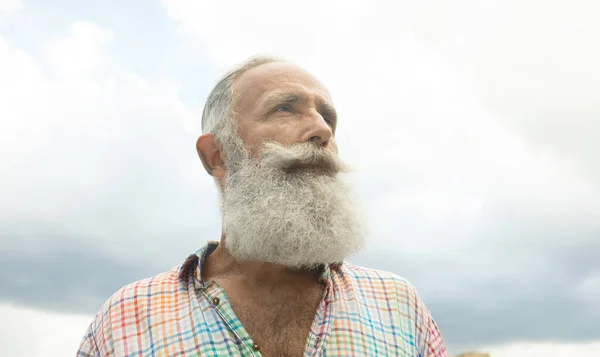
{"type": "Point", "coordinates": [259, 82]}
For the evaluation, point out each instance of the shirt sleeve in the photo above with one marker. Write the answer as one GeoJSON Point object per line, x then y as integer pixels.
{"type": "Point", "coordinates": [88, 347]}
{"type": "Point", "coordinates": [97, 341]}
{"type": "Point", "coordinates": [429, 340]}
{"type": "Point", "coordinates": [434, 345]}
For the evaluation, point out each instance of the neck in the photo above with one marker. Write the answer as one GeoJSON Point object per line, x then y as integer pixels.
{"type": "Point", "coordinates": [222, 265]}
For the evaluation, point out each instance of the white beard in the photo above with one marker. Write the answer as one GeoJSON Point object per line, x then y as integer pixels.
{"type": "Point", "coordinates": [299, 217]}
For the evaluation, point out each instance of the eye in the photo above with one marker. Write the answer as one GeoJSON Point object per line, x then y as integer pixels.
{"type": "Point", "coordinates": [328, 115]}
{"type": "Point", "coordinates": [284, 108]}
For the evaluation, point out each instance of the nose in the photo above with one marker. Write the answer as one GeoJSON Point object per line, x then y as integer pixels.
{"type": "Point", "coordinates": [318, 130]}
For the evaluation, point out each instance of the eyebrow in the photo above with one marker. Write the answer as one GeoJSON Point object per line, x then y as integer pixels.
{"type": "Point", "coordinates": [291, 98]}
{"type": "Point", "coordinates": [280, 98]}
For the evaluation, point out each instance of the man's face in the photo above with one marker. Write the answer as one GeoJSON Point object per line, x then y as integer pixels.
{"type": "Point", "coordinates": [282, 199]}
{"type": "Point", "coordinates": [281, 102]}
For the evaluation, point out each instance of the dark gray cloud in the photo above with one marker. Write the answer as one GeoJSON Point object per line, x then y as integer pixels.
{"type": "Point", "coordinates": [65, 277]}
{"type": "Point", "coordinates": [530, 285]}
{"type": "Point", "coordinates": [529, 292]}
{"type": "Point", "coordinates": [45, 267]}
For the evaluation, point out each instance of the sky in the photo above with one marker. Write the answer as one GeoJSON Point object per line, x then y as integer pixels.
{"type": "Point", "coordinates": [472, 127]}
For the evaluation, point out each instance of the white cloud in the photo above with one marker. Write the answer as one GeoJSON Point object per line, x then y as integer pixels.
{"type": "Point", "coordinates": [410, 108]}
{"type": "Point", "coordinates": [81, 53]}
{"type": "Point", "coordinates": [589, 349]}
{"type": "Point", "coordinates": [8, 6]}
{"type": "Point", "coordinates": [471, 125]}
{"type": "Point", "coordinates": [75, 128]}
{"type": "Point", "coordinates": [33, 333]}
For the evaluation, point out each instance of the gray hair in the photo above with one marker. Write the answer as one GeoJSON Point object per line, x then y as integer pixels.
{"type": "Point", "coordinates": [219, 116]}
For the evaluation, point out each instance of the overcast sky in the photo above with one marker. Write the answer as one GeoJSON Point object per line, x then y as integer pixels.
{"type": "Point", "coordinates": [473, 127]}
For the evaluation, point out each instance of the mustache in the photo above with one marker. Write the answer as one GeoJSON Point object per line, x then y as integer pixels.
{"type": "Point", "coordinates": [307, 156]}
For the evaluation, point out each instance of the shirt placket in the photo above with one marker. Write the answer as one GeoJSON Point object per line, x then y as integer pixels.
{"type": "Point", "coordinates": [323, 320]}
{"type": "Point", "coordinates": [216, 296]}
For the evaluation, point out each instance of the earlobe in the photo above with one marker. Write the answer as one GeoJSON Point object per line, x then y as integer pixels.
{"type": "Point", "coordinates": [209, 152]}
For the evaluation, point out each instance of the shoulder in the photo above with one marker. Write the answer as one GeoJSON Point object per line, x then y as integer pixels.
{"type": "Point", "coordinates": [383, 288]}
{"type": "Point", "coordinates": [378, 284]}
{"type": "Point", "coordinates": [134, 296]}
{"type": "Point", "coordinates": [398, 295]}
{"type": "Point", "coordinates": [138, 294]}
{"type": "Point", "coordinates": [379, 280]}
{"type": "Point", "coordinates": [163, 283]}
{"type": "Point", "coordinates": [130, 306]}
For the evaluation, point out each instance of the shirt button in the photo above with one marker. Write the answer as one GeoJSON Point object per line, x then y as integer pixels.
{"type": "Point", "coordinates": [255, 347]}
{"type": "Point", "coordinates": [317, 340]}
{"type": "Point", "coordinates": [216, 301]}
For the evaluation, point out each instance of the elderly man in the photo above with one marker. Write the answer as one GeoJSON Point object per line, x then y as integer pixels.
{"type": "Point", "coordinates": [276, 284]}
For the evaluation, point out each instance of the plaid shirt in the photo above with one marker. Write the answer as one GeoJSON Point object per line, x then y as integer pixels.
{"type": "Point", "coordinates": [364, 312]}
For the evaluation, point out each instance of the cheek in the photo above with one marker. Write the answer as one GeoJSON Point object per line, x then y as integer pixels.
{"type": "Point", "coordinates": [254, 139]}
{"type": "Point", "coordinates": [283, 134]}
{"type": "Point", "coordinates": [250, 141]}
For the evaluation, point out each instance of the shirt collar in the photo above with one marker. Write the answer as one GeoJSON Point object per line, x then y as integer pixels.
{"type": "Point", "coordinates": [192, 266]}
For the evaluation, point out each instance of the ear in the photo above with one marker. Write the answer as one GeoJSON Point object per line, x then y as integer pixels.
{"type": "Point", "coordinates": [209, 152]}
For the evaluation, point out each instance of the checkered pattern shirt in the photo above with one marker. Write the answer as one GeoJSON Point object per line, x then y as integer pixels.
{"type": "Point", "coordinates": [364, 312]}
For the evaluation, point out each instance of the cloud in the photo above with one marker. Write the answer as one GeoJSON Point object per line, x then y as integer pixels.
{"type": "Point", "coordinates": [81, 53]}
{"type": "Point", "coordinates": [494, 221]}
{"type": "Point", "coordinates": [76, 273]}
{"type": "Point", "coordinates": [545, 350]}
{"type": "Point", "coordinates": [439, 130]}
{"type": "Point", "coordinates": [35, 333]}
{"type": "Point", "coordinates": [509, 276]}
{"type": "Point", "coordinates": [537, 70]}
{"type": "Point", "coordinates": [96, 157]}
{"type": "Point", "coordinates": [474, 143]}
{"type": "Point", "coordinates": [8, 6]}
